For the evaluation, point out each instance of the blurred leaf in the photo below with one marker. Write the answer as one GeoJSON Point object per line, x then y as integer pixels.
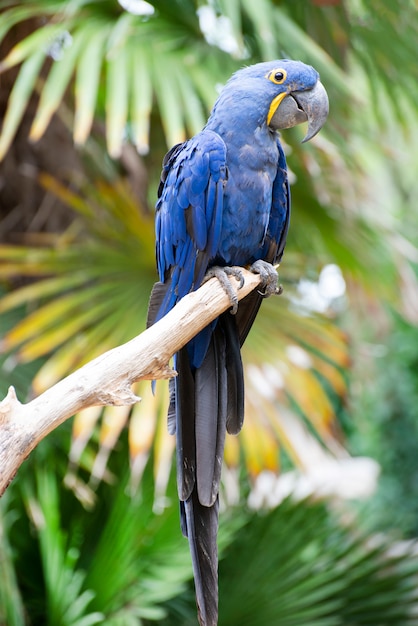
{"type": "Point", "coordinates": [15, 16]}
{"type": "Point", "coordinates": [309, 568]}
{"type": "Point", "coordinates": [54, 87]}
{"type": "Point", "coordinates": [100, 42]}
{"type": "Point", "coordinates": [141, 96]}
{"type": "Point", "coordinates": [143, 554]}
{"type": "Point", "coordinates": [19, 98]}
{"type": "Point", "coordinates": [321, 36]}
{"type": "Point", "coordinates": [12, 610]}
{"type": "Point", "coordinates": [169, 100]}
{"type": "Point", "coordinates": [87, 82]}
{"type": "Point", "coordinates": [370, 27]}
{"type": "Point", "coordinates": [296, 564]}
{"type": "Point", "coordinates": [66, 601]}
{"type": "Point", "coordinates": [35, 44]}
{"type": "Point", "coordinates": [116, 101]}
{"type": "Point", "coordinates": [11, 372]}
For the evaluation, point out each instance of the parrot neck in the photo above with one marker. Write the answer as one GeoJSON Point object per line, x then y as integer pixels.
{"type": "Point", "coordinates": [247, 142]}
{"type": "Point", "coordinates": [240, 114]}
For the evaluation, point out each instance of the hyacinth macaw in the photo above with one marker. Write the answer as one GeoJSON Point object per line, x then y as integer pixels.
{"type": "Point", "coordinates": [224, 201]}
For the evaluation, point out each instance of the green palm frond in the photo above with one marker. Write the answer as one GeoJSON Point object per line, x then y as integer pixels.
{"type": "Point", "coordinates": [131, 57]}
{"type": "Point", "coordinates": [113, 564]}
{"type": "Point", "coordinates": [299, 565]}
{"type": "Point", "coordinates": [96, 291]}
{"type": "Point", "coordinates": [66, 599]}
{"type": "Point", "coordinates": [143, 555]}
{"type": "Point", "coordinates": [20, 375]}
{"type": "Point", "coordinates": [123, 563]}
{"type": "Point", "coordinates": [294, 364]}
{"type": "Point", "coordinates": [115, 63]}
{"type": "Point", "coordinates": [386, 65]}
{"type": "Point", "coordinates": [11, 605]}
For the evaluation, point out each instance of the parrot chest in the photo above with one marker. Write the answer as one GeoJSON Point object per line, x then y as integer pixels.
{"type": "Point", "coordinates": [247, 201]}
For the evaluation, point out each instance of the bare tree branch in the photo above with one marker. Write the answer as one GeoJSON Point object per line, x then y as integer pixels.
{"type": "Point", "coordinates": [108, 378]}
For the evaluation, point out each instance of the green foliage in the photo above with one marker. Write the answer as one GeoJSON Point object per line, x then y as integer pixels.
{"type": "Point", "coordinates": [121, 563]}
{"type": "Point", "coordinates": [65, 601]}
{"type": "Point", "coordinates": [11, 604]}
{"type": "Point", "coordinates": [95, 281]}
{"type": "Point", "coordinates": [116, 564]}
{"type": "Point", "coordinates": [143, 554]}
{"type": "Point", "coordinates": [299, 565]}
{"type": "Point", "coordinates": [386, 427]}
{"type": "Point", "coordinates": [14, 373]}
{"type": "Point", "coordinates": [117, 62]}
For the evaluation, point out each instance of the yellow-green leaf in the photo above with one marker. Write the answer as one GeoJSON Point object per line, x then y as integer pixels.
{"type": "Point", "coordinates": [14, 16]}
{"type": "Point", "coordinates": [310, 396]}
{"type": "Point", "coordinates": [87, 83]}
{"type": "Point", "coordinates": [169, 100]}
{"type": "Point", "coordinates": [116, 101]}
{"type": "Point", "coordinates": [40, 289]}
{"type": "Point", "coordinates": [260, 448]}
{"type": "Point", "coordinates": [34, 44]}
{"type": "Point", "coordinates": [55, 85]}
{"type": "Point", "coordinates": [44, 318]}
{"type": "Point", "coordinates": [63, 330]}
{"type": "Point", "coordinates": [193, 110]}
{"type": "Point", "coordinates": [19, 99]}
{"type": "Point", "coordinates": [141, 98]}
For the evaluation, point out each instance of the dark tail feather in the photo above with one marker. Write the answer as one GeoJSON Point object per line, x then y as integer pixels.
{"type": "Point", "coordinates": [234, 374]}
{"type": "Point", "coordinates": [201, 403]}
{"type": "Point", "coordinates": [201, 523]}
{"type": "Point", "coordinates": [155, 301]}
{"type": "Point", "coordinates": [185, 425]}
{"type": "Point", "coordinates": [210, 417]}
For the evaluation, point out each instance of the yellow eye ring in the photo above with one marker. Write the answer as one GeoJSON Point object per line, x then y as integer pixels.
{"type": "Point", "coordinates": [277, 76]}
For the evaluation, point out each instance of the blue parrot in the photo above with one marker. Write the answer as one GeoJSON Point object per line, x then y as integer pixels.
{"type": "Point", "coordinates": [224, 201]}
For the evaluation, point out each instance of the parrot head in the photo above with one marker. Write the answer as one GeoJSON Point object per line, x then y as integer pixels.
{"type": "Point", "coordinates": [280, 94]}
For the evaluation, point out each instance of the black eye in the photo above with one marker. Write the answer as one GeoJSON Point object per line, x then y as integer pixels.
{"type": "Point", "coordinates": [277, 76]}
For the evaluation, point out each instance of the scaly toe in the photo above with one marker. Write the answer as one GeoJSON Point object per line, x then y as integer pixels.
{"type": "Point", "coordinates": [236, 273]}
{"type": "Point", "coordinates": [222, 273]}
{"type": "Point", "coordinates": [269, 277]}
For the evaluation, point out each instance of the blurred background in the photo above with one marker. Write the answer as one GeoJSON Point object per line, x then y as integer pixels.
{"type": "Point", "coordinates": [320, 490]}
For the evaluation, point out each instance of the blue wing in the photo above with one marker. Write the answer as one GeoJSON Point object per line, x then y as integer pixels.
{"type": "Point", "coordinates": [278, 225]}
{"type": "Point", "coordinates": [189, 214]}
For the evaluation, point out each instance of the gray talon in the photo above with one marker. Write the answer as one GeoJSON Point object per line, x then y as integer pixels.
{"type": "Point", "coordinates": [268, 276]}
{"type": "Point", "coordinates": [236, 273]}
{"type": "Point", "coordinates": [222, 273]}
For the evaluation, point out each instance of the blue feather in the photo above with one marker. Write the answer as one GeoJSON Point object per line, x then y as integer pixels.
{"type": "Point", "coordinates": [199, 225]}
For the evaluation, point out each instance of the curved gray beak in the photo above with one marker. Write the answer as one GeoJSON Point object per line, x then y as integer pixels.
{"type": "Point", "coordinates": [310, 106]}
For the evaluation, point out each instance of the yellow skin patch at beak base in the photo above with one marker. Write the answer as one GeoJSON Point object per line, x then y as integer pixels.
{"type": "Point", "coordinates": [274, 106]}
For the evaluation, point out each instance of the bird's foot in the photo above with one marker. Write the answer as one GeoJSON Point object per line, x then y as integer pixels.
{"type": "Point", "coordinates": [269, 276]}
{"type": "Point", "coordinates": [222, 273]}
